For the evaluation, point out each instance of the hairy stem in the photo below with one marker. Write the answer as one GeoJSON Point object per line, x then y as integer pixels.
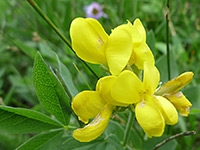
{"type": "Point", "coordinates": [41, 13]}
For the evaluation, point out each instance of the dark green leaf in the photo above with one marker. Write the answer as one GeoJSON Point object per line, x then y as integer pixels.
{"type": "Point", "coordinates": [50, 92]}
{"type": "Point", "coordinates": [18, 120]}
{"type": "Point", "coordinates": [44, 141]}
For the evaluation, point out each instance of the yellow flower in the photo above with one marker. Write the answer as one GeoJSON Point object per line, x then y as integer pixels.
{"type": "Point", "coordinates": [170, 90]}
{"type": "Point", "coordinates": [152, 112]}
{"type": "Point", "coordinates": [96, 127]}
{"type": "Point", "coordinates": [90, 104]}
{"type": "Point", "coordinates": [125, 45]}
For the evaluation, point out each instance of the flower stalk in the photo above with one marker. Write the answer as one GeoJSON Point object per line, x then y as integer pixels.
{"type": "Point", "coordinates": [128, 127]}
{"type": "Point", "coordinates": [167, 38]}
{"type": "Point", "coordinates": [41, 13]}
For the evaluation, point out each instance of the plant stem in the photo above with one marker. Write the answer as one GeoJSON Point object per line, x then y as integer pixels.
{"type": "Point", "coordinates": [167, 38]}
{"type": "Point", "coordinates": [82, 77]}
{"type": "Point", "coordinates": [37, 8]}
{"type": "Point", "coordinates": [128, 127]}
{"type": "Point", "coordinates": [173, 137]}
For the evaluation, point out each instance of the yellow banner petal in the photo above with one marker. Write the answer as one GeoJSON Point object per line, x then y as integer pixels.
{"type": "Point", "coordinates": [168, 110]}
{"type": "Point", "coordinates": [140, 50]}
{"type": "Point", "coordinates": [87, 105]}
{"type": "Point", "coordinates": [89, 40]}
{"type": "Point", "coordinates": [149, 117]}
{"type": "Point", "coordinates": [175, 84]}
{"type": "Point", "coordinates": [119, 48]}
{"type": "Point", "coordinates": [180, 102]}
{"type": "Point", "coordinates": [127, 88]}
{"type": "Point", "coordinates": [138, 25]}
{"type": "Point", "coordinates": [96, 127]}
{"type": "Point", "coordinates": [151, 77]}
{"type": "Point", "coordinates": [140, 54]}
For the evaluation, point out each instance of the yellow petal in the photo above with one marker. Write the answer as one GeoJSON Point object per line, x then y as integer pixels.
{"type": "Point", "coordinates": [127, 88]}
{"type": "Point", "coordinates": [140, 50]}
{"type": "Point", "coordinates": [137, 37]}
{"type": "Point", "coordinates": [104, 86]}
{"type": "Point", "coordinates": [168, 110]}
{"type": "Point", "coordinates": [119, 48]}
{"type": "Point", "coordinates": [180, 102]}
{"type": "Point", "coordinates": [138, 25]}
{"type": "Point", "coordinates": [151, 77]}
{"type": "Point", "coordinates": [175, 84]}
{"type": "Point", "coordinates": [149, 117]}
{"type": "Point", "coordinates": [140, 54]}
{"type": "Point", "coordinates": [89, 40]}
{"type": "Point", "coordinates": [87, 105]}
{"type": "Point", "coordinates": [96, 127]}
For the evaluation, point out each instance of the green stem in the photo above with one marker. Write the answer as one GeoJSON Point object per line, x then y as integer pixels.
{"type": "Point", "coordinates": [128, 127]}
{"type": "Point", "coordinates": [82, 76]}
{"type": "Point", "coordinates": [37, 8]}
{"type": "Point", "coordinates": [167, 38]}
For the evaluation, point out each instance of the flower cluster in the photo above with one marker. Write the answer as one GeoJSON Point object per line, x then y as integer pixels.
{"type": "Point", "coordinates": [126, 54]}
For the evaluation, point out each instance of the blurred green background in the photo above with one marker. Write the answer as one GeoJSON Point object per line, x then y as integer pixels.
{"type": "Point", "coordinates": [23, 32]}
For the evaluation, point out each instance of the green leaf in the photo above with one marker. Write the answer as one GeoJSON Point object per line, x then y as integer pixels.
{"type": "Point", "coordinates": [46, 50]}
{"type": "Point", "coordinates": [10, 141]}
{"type": "Point", "coordinates": [115, 128]}
{"type": "Point", "coordinates": [193, 95]}
{"type": "Point", "coordinates": [42, 141]}
{"type": "Point", "coordinates": [161, 46]}
{"type": "Point", "coordinates": [195, 111]}
{"type": "Point", "coordinates": [113, 141]}
{"type": "Point", "coordinates": [151, 41]}
{"type": "Point", "coordinates": [67, 78]}
{"type": "Point", "coordinates": [161, 63]}
{"type": "Point", "coordinates": [177, 46]}
{"type": "Point", "coordinates": [69, 143]}
{"type": "Point", "coordinates": [19, 120]}
{"type": "Point", "coordinates": [50, 91]}
{"type": "Point", "coordinates": [151, 143]}
{"type": "Point", "coordinates": [135, 139]}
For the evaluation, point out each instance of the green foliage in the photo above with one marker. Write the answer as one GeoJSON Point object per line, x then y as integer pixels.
{"type": "Point", "coordinates": [42, 141]}
{"type": "Point", "coordinates": [151, 143]}
{"type": "Point", "coordinates": [50, 91]}
{"type": "Point", "coordinates": [23, 32]}
{"type": "Point", "coordinates": [19, 120]}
